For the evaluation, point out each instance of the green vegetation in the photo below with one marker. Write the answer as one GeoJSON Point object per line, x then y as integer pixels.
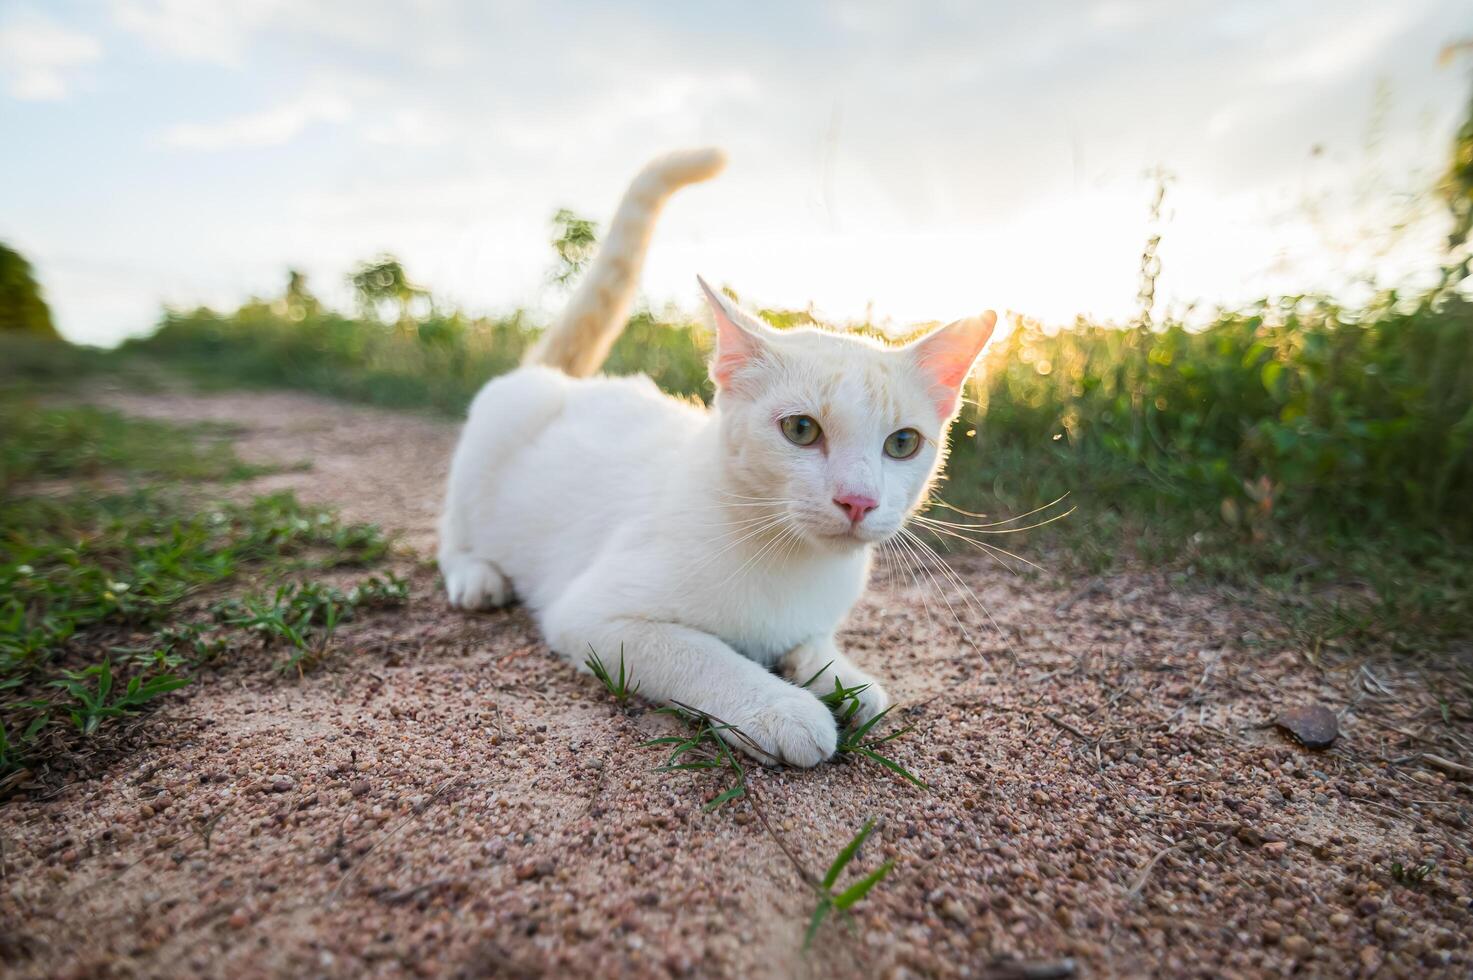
{"type": "Point", "coordinates": [305, 615]}
{"type": "Point", "coordinates": [855, 739]}
{"type": "Point", "coordinates": [1411, 875]}
{"type": "Point", "coordinates": [83, 441]}
{"type": "Point", "coordinates": [104, 587]}
{"type": "Point", "coordinates": [1297, 445]}
{"type": "Point", "coordinates": [618, 687]}
{"type": "Point", "coordinates": [22, 309]}
{"type": "Point", "coordinates": [830, 901]}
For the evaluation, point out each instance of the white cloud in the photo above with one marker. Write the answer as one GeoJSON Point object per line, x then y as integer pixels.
{"type": "Point", "coordinates": [209, 32]}
{"type": "Point", "coordinates": [221, 33]}
{"type": "Point", "coordinates": [1341, 50]}
{"type": "Point", "coordinates": [269, 127]}
{"type": "Point", "coordinates": [411, 126]}
{"type": "Point", "coordinates": [38, 57]}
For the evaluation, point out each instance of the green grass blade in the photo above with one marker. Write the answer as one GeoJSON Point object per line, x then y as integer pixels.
{"type": "Point", "coordinates": [847, 854]}
{"type": "Point", "coordinates": [892, 765]}
{"type": "Point", "coordinates": [817, 675]}
{"type": "Point", "coordinates": [726, 797]}
{"type": "Point", "coordinates": [860, 888]}
{"type": "Point", "coordinates": [819, 913]}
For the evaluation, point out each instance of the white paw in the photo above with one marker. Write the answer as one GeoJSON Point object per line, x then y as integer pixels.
{"type": "Point", "coordinates": [471, 583]}
{"type": "Point", "coordinates": [795, 728]}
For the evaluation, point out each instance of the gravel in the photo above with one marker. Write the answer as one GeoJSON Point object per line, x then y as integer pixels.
{"type": "Point", "coordinates": [1108, 795]}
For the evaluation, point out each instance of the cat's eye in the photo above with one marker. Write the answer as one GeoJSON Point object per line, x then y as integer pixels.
{"type": "Point", "coordinates": [902, 444]}
{"type": "Point", "coordinates": [801, 430]}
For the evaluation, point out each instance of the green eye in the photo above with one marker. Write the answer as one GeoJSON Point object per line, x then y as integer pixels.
{"type": "Point", "coordinates": [800, 430]}
{"type": "Point", "coordinates": [903, 444]}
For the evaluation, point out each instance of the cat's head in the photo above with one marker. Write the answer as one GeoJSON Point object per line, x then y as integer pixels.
{"type": "Point", "coordinates": [839, 434]}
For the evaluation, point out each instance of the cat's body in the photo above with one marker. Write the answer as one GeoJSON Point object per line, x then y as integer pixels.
{"type": "Point", "coordinates": [703, 547]}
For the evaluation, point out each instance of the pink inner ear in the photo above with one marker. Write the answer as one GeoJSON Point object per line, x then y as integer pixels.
{"type": "Point", "coordinates": [947, 356]}
{"type": "Point", "coordinates": [735, 346]}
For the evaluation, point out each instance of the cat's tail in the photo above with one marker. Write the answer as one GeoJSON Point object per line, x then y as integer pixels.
{"type": "Point", "coordinates": [579, 340]}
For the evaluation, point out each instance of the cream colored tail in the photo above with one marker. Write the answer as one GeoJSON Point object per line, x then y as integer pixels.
{"type": "Point", "coordinates": [579, 340]}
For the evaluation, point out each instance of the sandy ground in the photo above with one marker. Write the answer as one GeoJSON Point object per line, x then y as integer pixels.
{"type": "Point", "coordinates": [444, 797]}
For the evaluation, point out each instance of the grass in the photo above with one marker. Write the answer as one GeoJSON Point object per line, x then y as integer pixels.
{"type": "Point", "coordinates": [104, 580]}
{"type": "Point", "coordinates": [1411, 875]}
{"type": "Point", "coordinates": [82, 441]}
{"type": "Point", "coordinates": [304, 616]}
{"type": "Point", "coordinates": [830, 901]}
{"type": "Point", "coordinates": [618, 687]}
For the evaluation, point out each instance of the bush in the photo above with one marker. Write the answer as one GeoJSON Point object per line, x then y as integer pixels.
{"type": "Point", "coordinates": [1288, 410]}
{"type": "Point", "coordinates": [22, 310]}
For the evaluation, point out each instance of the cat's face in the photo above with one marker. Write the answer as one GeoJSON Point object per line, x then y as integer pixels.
{"type": "Point", "coordinates": [839, 435]}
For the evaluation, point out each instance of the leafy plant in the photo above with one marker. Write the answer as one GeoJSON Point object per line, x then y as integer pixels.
{"type": "Point", "coordinates": [845, 704]}
{"type": "Point", "coordinates": [574, 242]}
{"type": "Point", "coordinates": [704, 749]}
{"type": "Point", "coordinates": [89, 690]}
{"type": "Point", "coordinates": [306, 614]}
{"type": "Point", "coordinates": [1411, 875]}
{"type": "Point", "coordinates": [830, 901]}
{"type": "Point", "coordinates": [22, 308]}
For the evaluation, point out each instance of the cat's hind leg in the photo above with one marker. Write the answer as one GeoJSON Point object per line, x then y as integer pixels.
{"type": "Point", "coordinates": [506, 414]}
{"type": "Point", "coordinates": [473, 583]}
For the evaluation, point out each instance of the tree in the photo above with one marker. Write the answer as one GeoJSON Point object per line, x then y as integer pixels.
{"type": "Point", "coordinates": [22, 309]}
{"type": "Point", "coordinates": [299, 303]}
{"type": "Point", "coordinates": [1457, 184]}
{"type": "Point", "coordinates": [382, 280]}
{"type": "Point", "coordinates": [576, 241]}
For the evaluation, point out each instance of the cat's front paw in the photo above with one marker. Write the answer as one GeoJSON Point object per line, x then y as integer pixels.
{"type": "Point", "coordinates": [795, 728]}
{"type": "Point", "coordinates": [471, 583]}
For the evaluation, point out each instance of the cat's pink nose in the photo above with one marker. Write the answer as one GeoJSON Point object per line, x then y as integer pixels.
{"type": "Point", "coordinates": [855, 506]}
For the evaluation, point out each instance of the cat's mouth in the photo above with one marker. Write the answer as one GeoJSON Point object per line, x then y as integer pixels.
{"type": "Point", "coordinates": [852, 535]}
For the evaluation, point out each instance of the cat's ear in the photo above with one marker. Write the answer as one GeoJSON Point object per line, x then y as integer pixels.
{"type": "Point", "coordinates": [945, 357]}
{"type": "Point", "coordinates": [739, 339]}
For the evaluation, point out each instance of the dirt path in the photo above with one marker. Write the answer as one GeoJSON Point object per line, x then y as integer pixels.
{"type": "Point", "coordinates": [444, 796]}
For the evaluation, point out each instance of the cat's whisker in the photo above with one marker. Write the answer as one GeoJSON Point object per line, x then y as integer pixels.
{"type": "Point", "coordinates": [766, 526]}
{"type": "Point", "coordinates": [744, 522]}
{"type": "Point", "coordinates": [742, 496]}
{"type": "Point", "coordinates": [966, 589]}
{"type": "Point", "coordinates": [929, 555]}
{"type": "Point", "coordinates": [756, 556]}
{"type": "Point", "coordinates": [991, 550]}
{"type": "Point", "coordinates": [792, 548]}
{"type": "Point", "coordinates": [936, 501]}
{"type": "Point", "coordinates": [917, 569]}
{"type": "Point", "coordinates": [981, 528]}
{"type": "Point", "coordinates": [980, 547]}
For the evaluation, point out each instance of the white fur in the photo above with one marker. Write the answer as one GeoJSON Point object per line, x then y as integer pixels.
{"type": "Point", "coordinates": [702, 544]}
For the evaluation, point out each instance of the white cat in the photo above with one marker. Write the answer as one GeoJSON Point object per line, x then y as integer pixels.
{"type": "Point", "coordinates": [706, 546]}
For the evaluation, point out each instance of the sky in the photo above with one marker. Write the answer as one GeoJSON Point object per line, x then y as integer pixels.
{"type": "Point", "coordinates": [909, 162]}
